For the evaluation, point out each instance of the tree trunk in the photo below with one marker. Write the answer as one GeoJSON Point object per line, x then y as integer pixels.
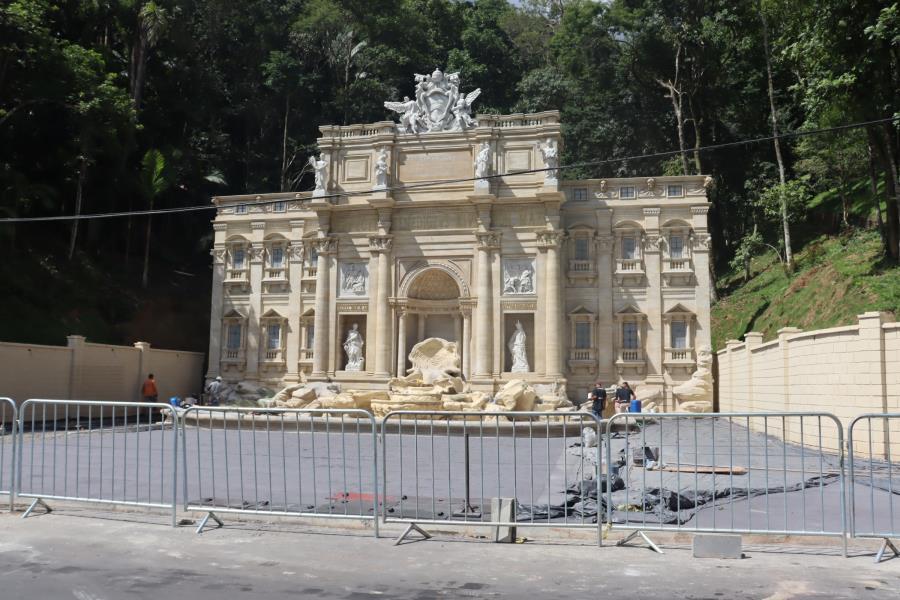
{"type": "Point", "coordinates": [675, 95]}
{"type": "Point", "coordinates": [284, 143]}
{"type": "Point", "coordinates": [79, 190]}
{"type": "Point", "coordinates": [145, 277]}
{"type": "Point", "coordinates": [894, 188]}
{"type": "Point", "coordinates": [873, 180]}
{"type": "Point", "coordinates": [788, 253]}
{"type": "Point", "coordinates": [697, 141]}
{"type": "Point", "coordinates": [140, 69]}
{"type": "Point", "coordinates": [892, 230]}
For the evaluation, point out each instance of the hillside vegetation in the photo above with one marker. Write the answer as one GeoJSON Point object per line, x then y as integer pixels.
{"type": "Point", "coordinates": [836, 279]}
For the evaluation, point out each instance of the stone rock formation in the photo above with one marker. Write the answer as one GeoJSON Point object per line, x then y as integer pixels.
{"type": "Point", "coordinates": [435, 358]}
{"type": "Point", "coordinates": [696, 394]}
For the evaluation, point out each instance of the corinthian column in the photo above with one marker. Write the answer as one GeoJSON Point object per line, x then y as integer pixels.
{"type": "Point", "coordinates": [381, 246]}
{"type": "Point", "coordinates": [325, 246]}
{"type": "Point", "coordinates": [483, 310]}
{"type": "Point", "coordinates": [549, 242]}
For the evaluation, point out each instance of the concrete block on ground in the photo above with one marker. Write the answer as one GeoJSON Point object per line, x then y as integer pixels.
{"type": "Point", "coordinates": [715, 545]}
{"type": "Point", "coordinates": [503, 510]}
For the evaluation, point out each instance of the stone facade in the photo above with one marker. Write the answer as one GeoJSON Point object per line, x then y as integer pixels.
{"type": "Point", "coordinates": [609, 278]}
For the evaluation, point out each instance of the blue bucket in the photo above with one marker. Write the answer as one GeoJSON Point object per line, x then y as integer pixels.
{"type": "Point", "coordinates": [174, 401]}
{"type": "Point", "coordinates": [635, 406]}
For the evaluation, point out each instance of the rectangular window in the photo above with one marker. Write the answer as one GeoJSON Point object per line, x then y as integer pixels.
{"type": "Point", "coordinates": [629, 248]}
{"type": "Point", "coordinates": [582, 335]}
{"type": "Point", "coordinates": [237, 258]}
{"type": "Point", "coordinates": [579, 194]}
{"type": "Point", "coordinates": [280, 206]}
{"type": "Point", "coordinates": [233, 336]}
{"type": "Point", "coordinates": [626, 192]}
{"type": "Point", "coordinates": [630, 335]}
{"type": "Point", "coordinates": [313, 256]}
{"type": "Point", "coordinates": [582, 248]}
{"type": "Point", "coordinates": [273, 341]}
{"type": "Point", "coordinates": [240, 209]}
{"type": "Point", "coordinates": [676, 246]}
{"type": "Point", "coordinates": [675, 191]}
{"type": "Point", "coordinates": [277, 257]}
{"type": "Point", "coordinates": [310, 336]}
{"type": "Point", "coordinates": [679, 334]}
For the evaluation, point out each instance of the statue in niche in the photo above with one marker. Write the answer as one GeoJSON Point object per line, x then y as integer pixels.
{"type": "Point", "coordinates": [550, 154]}
{"type": "Point", "coordinates": [518, 350]}
{"type": "Point", "coordinates": [353, 347]}
{"type": "Point", "coordinates": [381, 169]}
{"type": "Point", "coordinates": [483, 161]}
{"type": "Point", "coordinates": [354, 280]}
{"type": "Point", "coordinates": [320, 167]}
{"type": "Point", "coordinates": [518, 277]}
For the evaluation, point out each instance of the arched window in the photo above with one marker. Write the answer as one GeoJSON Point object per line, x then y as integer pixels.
{"type": "Point", "coordinates": [234, 334]}
{"type": "Point", "coordinates": [272, 327]}
{"type": "Point", "coordinates": [677, 266]}
{"type": "Point", "coordinates": [629, 252]}
{"type": "Point", "coordinates": [237, 260]}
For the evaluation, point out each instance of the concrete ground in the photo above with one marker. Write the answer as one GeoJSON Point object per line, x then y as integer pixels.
{"type": "Point", "coordinates": [88, 555]}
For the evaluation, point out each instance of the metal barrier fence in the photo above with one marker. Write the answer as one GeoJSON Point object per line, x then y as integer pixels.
{"type": "Point", "coordinates": [117, 453]}
{"type": "Point", "coordinates": [443, 468]}
{"type": "Point", "coordinates": [749, 473]}
{"type": "Point", "coordinates": [8, 430]}
{"type": "Point", "coordinates": [875, 479]}
{"type": "Point", "coordinates": [280, 462]}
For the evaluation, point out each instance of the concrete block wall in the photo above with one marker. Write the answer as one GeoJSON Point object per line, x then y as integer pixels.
{"type": "Point", "coordinates": [846, 371]}
{"type": "Point", "coordinates": [86, 371]}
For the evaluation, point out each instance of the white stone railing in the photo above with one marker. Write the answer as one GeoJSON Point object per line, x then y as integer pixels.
{"type": "Point", "coordinates": [676, 264]}
{"type": "Point", "coordinates": [310, 272]}
{"type": "Point", "coordinates": [237, 275]}
{"type": "Point", "coordinates": [306, 354]}
{"type": "Point", "coordinates": [273, 355]}
{"type": "Point", "coordinates": [581, 354]}
{"type": "Point", "coordinates": [631, 355]}
{"type": "Point", "coordinates": [275, 273]}
{"type": "Point", "coordinates": [679, 355]}
{"type": "Point", "coordinates": [581, 266]}
{"type": "Point", "coordinates": [629, 265]}
{"type": "Point", "coordinates": [233, 355]}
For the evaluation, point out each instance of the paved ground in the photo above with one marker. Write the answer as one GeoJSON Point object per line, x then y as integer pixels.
{"type": "Point", "coordinates": [69, 556]}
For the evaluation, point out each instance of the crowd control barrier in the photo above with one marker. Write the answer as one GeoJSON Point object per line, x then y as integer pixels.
{"type": "Point", "coordinates": [747, 473]}
{"type": "Point", "coordinates": [280, 462]}
{"type": "Point", "coordinates": [503, 470]}
{"type": "Point", "coordinates": [8, 431]}
{"type": "Point", "coordinates": [117, 453]}
{"type": "Point", "coordinates": [873, 443]}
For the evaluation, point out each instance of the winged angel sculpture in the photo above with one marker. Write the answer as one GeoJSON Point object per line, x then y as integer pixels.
{"type": "Point", "coordinates": [438, 105]}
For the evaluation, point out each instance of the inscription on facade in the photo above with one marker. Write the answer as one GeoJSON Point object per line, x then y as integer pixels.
{"type": "Point", "coordinates": [518, 216]}
{"type": "Point", "coordinates": [422, 166]}
{"type": "Point", "coordinates": [411, 219]}
{"type": "Point", "coordinates": [353, 222]}
{"type": "Point", "coordinates": [518, 160]}
{"type": "Point", "coordinates": [356, 168]}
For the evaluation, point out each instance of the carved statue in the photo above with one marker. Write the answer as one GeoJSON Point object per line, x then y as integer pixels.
{"type": "Point", "coordinates": [518, 350]}
{"type": "Point", "coordinates": [696, 395]}
{"type": "Point", "coordinates": [353, 279]}
{"type": "Point", "coordinates": [438, 105]}
{"type": "Point", "coordinates": [550, 154]}
{"type": "Point", "coordinates": [463, 112]}
{"type": "Point", "coordinates": [320, 167]}
{"type": "Point", "coordinates": [353, 346]}
{"type": "Point", "coordinates": [381, 169]}
{"type": "Point", "coordinates": [483, 161]}
{"type": "Point", "coordinates": [408, 110]}
{"type": "Point", "coordinates": [518, 277]}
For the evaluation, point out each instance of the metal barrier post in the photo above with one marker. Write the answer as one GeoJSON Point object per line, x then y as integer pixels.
{"type": "Point", "coordinates": [7, 404]}
{"type": "Point", "coordinates": [676, 466]}
{"type": "Point", "coordinates": [271, 462]}
{"type": "Point", "coordinates": [527, 456]}
{"type": "Point", "coordinates": [69, 444]}
{"type": "Point", "coordinates": [875, 531]}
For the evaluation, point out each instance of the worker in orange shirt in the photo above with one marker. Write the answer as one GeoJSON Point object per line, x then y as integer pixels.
{"type": "Point", "coordinates": [149, 391]}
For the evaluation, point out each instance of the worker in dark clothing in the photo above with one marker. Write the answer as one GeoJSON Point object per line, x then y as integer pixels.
{"type": "Point", "coordinates": [598, 400]}
{"type": "Point", "coordinates": [624, 396]}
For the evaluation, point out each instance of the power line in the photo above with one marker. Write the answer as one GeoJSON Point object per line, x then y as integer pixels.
{"type": "Point", "coordinates": [425, 184]}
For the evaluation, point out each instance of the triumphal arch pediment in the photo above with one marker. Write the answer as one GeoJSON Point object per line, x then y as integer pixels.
{"type": "Point", "coordinates": [464, 227]}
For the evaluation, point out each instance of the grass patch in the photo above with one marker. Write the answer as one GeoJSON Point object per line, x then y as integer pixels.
{"type": "Point", "coordinates": [836, 278]}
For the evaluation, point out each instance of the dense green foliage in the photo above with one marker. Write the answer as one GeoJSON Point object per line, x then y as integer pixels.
{"type": "Point", "coordinates": [111, 105]}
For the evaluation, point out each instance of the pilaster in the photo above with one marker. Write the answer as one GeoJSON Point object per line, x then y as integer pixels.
{"type": "Point", "coordinates": [381, 247]}
{"type": "Point", "coordinates": [295, 254]}
{"type": "Point", "coordinates": [325, 247]}
{"type": "Point", "coordinates": [255, 254]}
{"type": "Point", "coordinates": [486, 243]}
{"type": "Point", "coordinates": [217, 301]}
{"type": "Point", "coordinates": [548, 242]}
